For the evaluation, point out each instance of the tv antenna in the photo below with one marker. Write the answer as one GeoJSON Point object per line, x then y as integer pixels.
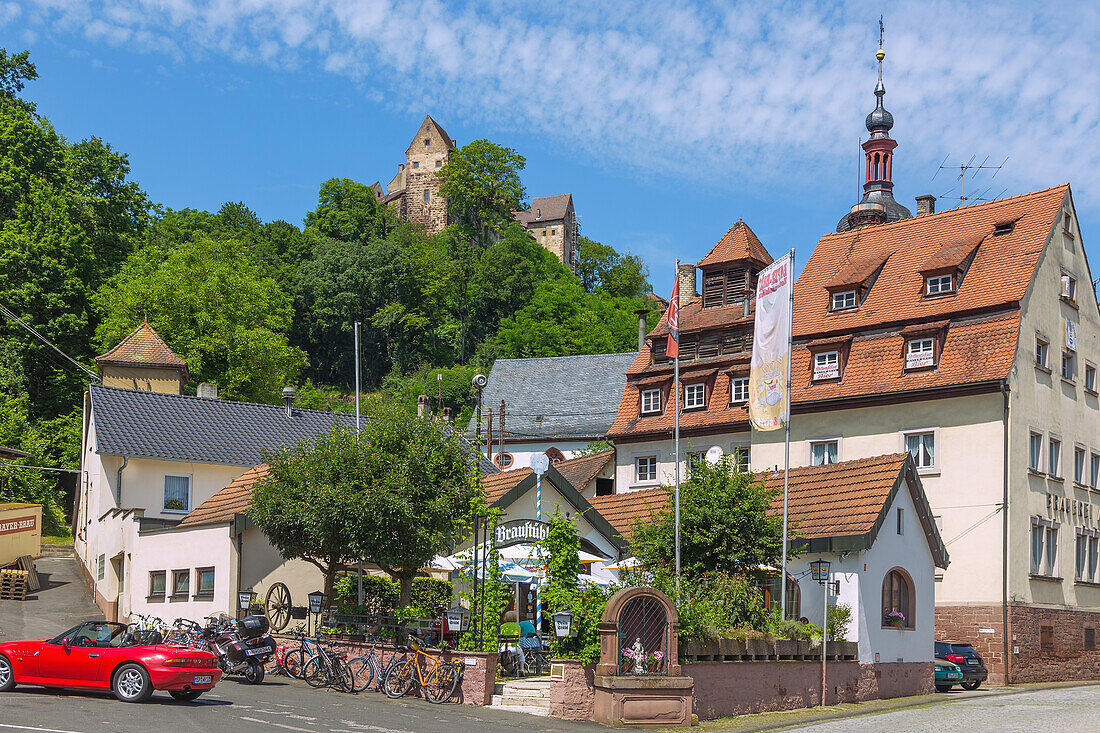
{"type": "Point", "coordinates": [970, 165]}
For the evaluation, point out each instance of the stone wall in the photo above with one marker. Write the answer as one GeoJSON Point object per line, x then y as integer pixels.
{"type": "Point", "coordinates": [1064, 657]}
{"type": "Point", "coordinates": [479, 670]}
{"type": "Point", "coordinates": [895, 679]}
{"type": "Point", "coordinates": [966, 624]}
{"type": "Point", "coordinates": [574, 696]}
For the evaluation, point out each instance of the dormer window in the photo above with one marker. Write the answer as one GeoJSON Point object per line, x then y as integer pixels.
{"type": "Point", "coordinates": [651, 401]}
{"type": "Point", "coordinates": [920, 353]}
{"type": "Point", "coordinates": [538, 213]}
{"type": "Point", "coordinates": [1004, 227]}
{"type": "Point", "coordinates": [739, 390]}
{"type": "Point", "coordinates": [826, 365]}
{"type": "Point", "coordinates": [695, 396]}
{"type": "Point", "coordinates": [939, 284]}
{"type": "Point", "coordinates": [844, 300]}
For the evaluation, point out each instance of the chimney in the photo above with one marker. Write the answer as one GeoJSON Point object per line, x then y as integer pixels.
{"type": "Point", "coordinates": [926, 204]}
{"type": "Point", "coordinates": [641, 313]}
{"type": "Point", "coordinates": [687, 283]}
{"type": "Point", "coordinates": [423, 406]}
{"type": "Point", "coordinates": [289, 393]}
{"type": "Point", "coordinates": [208, 390]}
{"type": "Point", "coordinates": [447, 415]}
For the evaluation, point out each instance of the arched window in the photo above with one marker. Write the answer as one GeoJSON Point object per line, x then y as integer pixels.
{"type": "Point", "coordinates": [503, 460]}
{"type": "Point", "coordinates": [555, 455]}
{"type": "Point", "coordinates": [898, 606]}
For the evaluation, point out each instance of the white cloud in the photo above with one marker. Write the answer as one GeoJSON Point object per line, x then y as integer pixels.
{"type": "Point", "coordinates": [745, 92]}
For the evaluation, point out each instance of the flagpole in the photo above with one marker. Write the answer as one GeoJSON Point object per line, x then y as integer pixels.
{"type": "Point", "coordinates": [676, 434]}
{"type": "Point", "coordinates": [787, 438]}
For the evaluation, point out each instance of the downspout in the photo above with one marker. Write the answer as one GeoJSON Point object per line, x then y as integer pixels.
{"type": "Point", "coordinates": [1004, 533]}
{"type": "Point", "coordinates": [118, 487]}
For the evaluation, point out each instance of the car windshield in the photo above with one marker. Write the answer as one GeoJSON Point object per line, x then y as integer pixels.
{"type": "Point", "coordinates": [93, 633]}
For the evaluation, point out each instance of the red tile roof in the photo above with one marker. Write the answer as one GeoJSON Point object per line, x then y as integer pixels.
{"type": "Point", "coordinates": [235, 498]}
{"type": "Point", "coordinates": [739, 243]}
{"type": "Point", "coordinates": [622, 510]}
{"type": "Point", "coordinates": [498, 484]}
{"type": "Point", "coordinates": [144, 347]}
{"type": "Point", "coordinates": [580, 471]}
{"type": "Point", "coordinates": [998, 276]}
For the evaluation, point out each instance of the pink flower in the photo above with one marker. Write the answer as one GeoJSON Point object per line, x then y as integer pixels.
{"type": "Point", "coordinates": [658, 656]}
{"type": "Point", "coordinates": [628, 653]}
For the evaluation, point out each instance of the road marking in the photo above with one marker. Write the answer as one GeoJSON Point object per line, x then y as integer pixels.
{"type": "Point", "coordinates": [46, 730]}
{"type": "Point", "coordinates": [266, 722]}
{"type": "Point", "coordinates": [362, 726]}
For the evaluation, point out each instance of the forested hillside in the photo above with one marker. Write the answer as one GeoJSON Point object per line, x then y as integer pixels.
{"type": "Point", "coordinates": [253, 306]}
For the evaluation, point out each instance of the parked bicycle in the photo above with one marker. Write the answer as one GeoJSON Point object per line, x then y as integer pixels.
{"type": "Point", "coordinates": [327, 668]}
{"type": "Point", "coordinates": [438, 683]}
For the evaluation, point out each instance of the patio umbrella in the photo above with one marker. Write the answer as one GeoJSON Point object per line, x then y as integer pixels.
{"type": "Point", "coordinates": [589, 579]}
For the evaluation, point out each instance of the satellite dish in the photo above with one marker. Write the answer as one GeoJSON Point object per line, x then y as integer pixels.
{"type": "Point", "coordinates": [539, 463]}
{"type": "Point", "coordinates": [714, 454]}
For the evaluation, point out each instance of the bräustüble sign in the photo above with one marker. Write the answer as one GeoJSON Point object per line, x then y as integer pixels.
{"type": "Point", "coordinates": [520, 531]}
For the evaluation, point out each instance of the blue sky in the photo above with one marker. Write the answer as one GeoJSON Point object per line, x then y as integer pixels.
{"type": "Point", "coordinates": [666, 122]}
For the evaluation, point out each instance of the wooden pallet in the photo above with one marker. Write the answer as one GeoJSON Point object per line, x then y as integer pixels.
{"type": "Point", "coordinates": [13, 585]}
{"type": "Point", "coordinates": [26, 562]}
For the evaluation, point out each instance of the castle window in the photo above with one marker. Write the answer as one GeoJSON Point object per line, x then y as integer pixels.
{"type": "Point", "coordinates": [427, 194]}
{"type": "Point", "coordinates": [844, 301]}
{"type": "Point", "coordinates": [553, 232]}
{"type": "Point", "coordinates": [938, 284]}
{"type": "Point", "coordinates": [416, 164]}
{"type": "Point", "coordinates": [427, 142]}
{"type": "Point", "coordinates": [439, 164]}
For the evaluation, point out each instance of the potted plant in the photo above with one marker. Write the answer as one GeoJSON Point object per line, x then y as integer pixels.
{"type": "Point", "coordinates": [896, 619]}
{"type": "Point", "coordinates": [653, 661]}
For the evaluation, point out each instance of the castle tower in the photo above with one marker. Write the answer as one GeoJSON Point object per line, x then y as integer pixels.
{"type": "Point", "coordinates": [877, 205]}
{"type": "Point", "coordinates": [425, 156]}
{"type": "Point", "coordinates": [143, 361]}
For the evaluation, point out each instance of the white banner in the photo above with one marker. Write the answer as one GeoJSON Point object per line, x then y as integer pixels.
{"type": "Point", "coordinates": [771, 345]}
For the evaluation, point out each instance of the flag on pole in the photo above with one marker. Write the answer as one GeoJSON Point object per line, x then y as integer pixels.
{"type": "Point", "coordinates": [672, 351]}
{"type": "Point", "coordinates": [769, 374]}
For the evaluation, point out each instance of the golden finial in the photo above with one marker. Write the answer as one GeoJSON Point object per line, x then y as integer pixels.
{"type": "Point", "coordinates": [880, 55]}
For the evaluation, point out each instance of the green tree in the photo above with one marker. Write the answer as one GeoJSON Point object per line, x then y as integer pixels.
{"type": "Point", "coordinates": [15, 69]}
{"type": "Point", "coordinates": [349, 211]}
{"type": "Point", "coordinates": [482, 186]}
{"type": "Point", "coordinates": [214, 308]}
{"type": "Point", "coordinates": [724, 523]}
{"type": "Point", "coordinates": [601, 268]}
{"type": "Point", "coordinates": [30, 484]}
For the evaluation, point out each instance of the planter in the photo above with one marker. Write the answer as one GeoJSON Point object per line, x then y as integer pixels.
{"type": "Point", "coordinates": [786, 648]}
{"type": "Point", "coordinates": [698, 649]}
{"type": "Point", "coordinates": [731, 647]}
{"type": "Point", "coordinates": [759, 648]}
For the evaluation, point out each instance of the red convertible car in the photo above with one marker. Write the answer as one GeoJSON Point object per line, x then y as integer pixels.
{"type": "Point", "coordinates": [96, 655]}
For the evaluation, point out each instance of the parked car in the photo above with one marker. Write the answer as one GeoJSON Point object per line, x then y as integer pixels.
{"type": "Point", "coordinates": [971, 663]}
{"type": "Point", "coordinates": [96, 655]}
{"type": "Point", "coordinates": [948, 675]}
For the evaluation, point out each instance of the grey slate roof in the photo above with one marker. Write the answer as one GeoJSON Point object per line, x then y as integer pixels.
{"type": "Point", "coordinates": [185, 428]}
{"type": "Point", "coordinates": [545, 209]}
{"type": "Point", "coordinates": [576, 396]}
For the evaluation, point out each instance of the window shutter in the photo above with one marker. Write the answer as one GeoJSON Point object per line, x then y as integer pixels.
{"type": "Point", "coordinates": [736, 284]}
{"type": "Point", "coordinates": [687, 348]}
{"type": "Point", "coordinates": [714, 284]}
{"type": "Point", "coordinates": [709, 345]}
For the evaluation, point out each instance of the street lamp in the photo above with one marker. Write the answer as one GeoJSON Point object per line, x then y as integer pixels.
{"type": "Point", "coordinates": [563, 625]}
{"type": "Point", "coordinates": [819, 571]}
{"type": "Point", "coordinates": [453, 617]}
{"type": "Point", "coordinates": [316, 598]}
{"type": "Point", "coordinates": [245, 599]}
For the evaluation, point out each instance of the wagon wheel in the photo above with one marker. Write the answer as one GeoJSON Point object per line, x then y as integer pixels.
{"type": "Point", "coordinates": [277, 606]}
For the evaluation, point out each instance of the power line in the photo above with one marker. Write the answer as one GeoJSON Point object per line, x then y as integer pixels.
{"type": "Point", "coordinates": [40, 468]}
{"type": "Point", "coordinates": [12, 317]}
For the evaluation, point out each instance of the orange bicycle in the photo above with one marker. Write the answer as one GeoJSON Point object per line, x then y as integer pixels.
{"type": "Point", "coordinates": [439, 682]}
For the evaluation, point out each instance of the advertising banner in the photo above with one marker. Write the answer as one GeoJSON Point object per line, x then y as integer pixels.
{"type": "Point", "coordinates": [771, 346]}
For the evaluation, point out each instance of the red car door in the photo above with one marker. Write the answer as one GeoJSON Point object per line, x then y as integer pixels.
{"type": "Point", "coordinates": [79, 664]}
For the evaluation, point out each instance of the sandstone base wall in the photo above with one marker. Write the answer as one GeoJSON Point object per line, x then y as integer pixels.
{"type": "Point", "coordinates": [574, 696]}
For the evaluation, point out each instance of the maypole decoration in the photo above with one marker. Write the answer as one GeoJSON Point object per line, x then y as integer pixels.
{"type": "Point", "coordinates": [672, 350]}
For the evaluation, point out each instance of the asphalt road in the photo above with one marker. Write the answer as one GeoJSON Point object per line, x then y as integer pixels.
{"type": "Point", "coordinates": [61, 603]}
{"type": "Point", "coordinates": [1064, 709]}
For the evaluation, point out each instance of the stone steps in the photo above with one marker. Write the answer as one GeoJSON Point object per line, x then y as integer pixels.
{"type": "Point", "coordinates": [58, 551]}
{"type": "Point", "coordinates": [530, 695]}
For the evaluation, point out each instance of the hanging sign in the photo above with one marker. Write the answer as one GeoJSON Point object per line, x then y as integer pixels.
{"type": "Point", "coordinates": [520, 531]}
{"type": "Point", "coordinates": [771, 344]}
{"type": "Point", "coordinates": [1071, 335]}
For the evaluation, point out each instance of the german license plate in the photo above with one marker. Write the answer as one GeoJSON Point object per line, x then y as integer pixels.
{"type": "Point", "coordinates": [954, 675]}
{"type": "Point", "coordinates": [972, 662]}
{"type": "Point", "coordinates": [257, 650]}
{"type": "Point", "coordinates": [202, 679]}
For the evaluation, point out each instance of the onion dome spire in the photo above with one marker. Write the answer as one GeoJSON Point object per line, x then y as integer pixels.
{"type": "Point", "coordinates": [880, 120]}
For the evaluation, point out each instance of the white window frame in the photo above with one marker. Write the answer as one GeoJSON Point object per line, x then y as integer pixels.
{"type": "Point", "coordinates": [742, 456]}
{"type": "Point", "coordinates": [822, 441]}
{"type": "Point", "coordinates": [1079, 476]}
{"type": "Point", "coordinates": [695, 395]}
{"type": "Point", "coordinates": [845, 300]}
{"type": "Point", "coordinates": [1036, 464]}
{"type": "Point", "coordinates": [934, 466]}
{"type": "Point", "coordinates": [651, 393]}
{"type": "Point", "coordinates": [1054, 456]}
{"type": "Point", "coordinates": [739, 390]}
{"type": "Point", "coordinates": [920, 352]}
{"type": "Point", "coordinates": [825, 367]}
{"type": "Point", "coordinates": [637, 468]}
{"type": "Point", "coordinates": [1090, 376]}
{"type": "Point", "coordinates": [1086, 556]}
{"type": "Point", "coordinates": [1045, 532]}
{"type": "Point", "coordinates": [1094, 469]}
{"type": "Point", "coordinates": [934, 284]}
{"type": "Point", "coordinates": [186, 505]}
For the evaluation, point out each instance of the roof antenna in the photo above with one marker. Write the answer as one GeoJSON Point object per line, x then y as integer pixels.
{"type": "Point", "coordinates": [969, 165]}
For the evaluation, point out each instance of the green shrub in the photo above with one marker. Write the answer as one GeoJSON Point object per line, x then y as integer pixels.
{"type": "Point", "coordinates": [379, 594]}
{"type": "Point", "coordinates": [431, 595]}
{"type": "Point", "coordinates": [837, 620]}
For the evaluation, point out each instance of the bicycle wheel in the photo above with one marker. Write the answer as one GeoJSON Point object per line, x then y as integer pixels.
{"type": "Point", "coordinates": [315, 673]}
{"type": "Point", "coordinates": [293, 663]}
{"type": "Point", "coordinates": [362, 673]}
{"type": "Point", "coordinates": [343, 679]}
{"type": "Point", "coordinates": [441, 683]}
{"type": "Point", "coordinates": [399, 680]}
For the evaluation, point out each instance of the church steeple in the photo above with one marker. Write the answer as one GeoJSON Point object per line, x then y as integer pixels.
{"type": "Point", "coordinates": [877, 205]}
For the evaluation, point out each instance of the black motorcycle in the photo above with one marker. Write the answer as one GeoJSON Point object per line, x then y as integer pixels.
{"type": "Point", "coordinates": [242, 647]}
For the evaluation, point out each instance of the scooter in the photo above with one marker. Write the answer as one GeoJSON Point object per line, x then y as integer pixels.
{"type": "Point", "coordinates": [242, 647]}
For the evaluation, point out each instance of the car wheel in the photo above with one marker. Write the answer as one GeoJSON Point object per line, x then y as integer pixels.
{"type": "Point", "coordinates": [943, 688]}
{"type": "Point", "coordinates": [132, 683]}
{"type": "Point", "coordinates": [971, 684]}
{"type": "Point", "coordinates": [185, 695]}
{"type": "Point", "coordinates": [7, 674]}
{"type": "Point", "coordinates": [254, 673]}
